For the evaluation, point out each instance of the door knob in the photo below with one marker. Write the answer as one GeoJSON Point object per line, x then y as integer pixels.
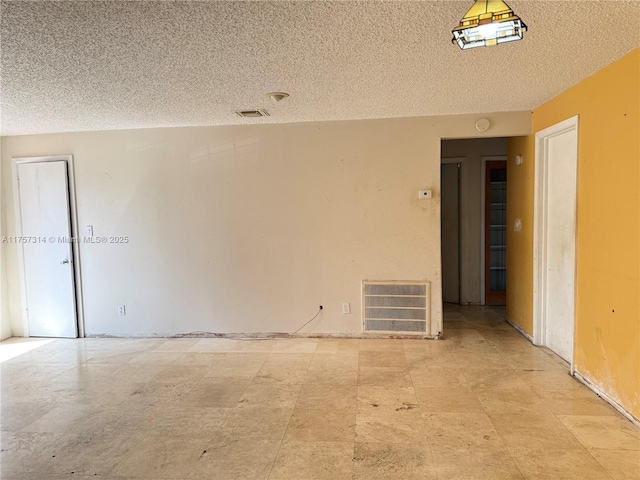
{"type": "Point", "coordinates": [65, 261]}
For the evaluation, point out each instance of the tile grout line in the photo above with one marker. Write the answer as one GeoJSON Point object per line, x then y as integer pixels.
{"type": "Point", "coordinates": [428, 440]}
{"type": "Point", "coordinates": [583, 446]}
{"type": "Point", "coordinates": [273, 464]}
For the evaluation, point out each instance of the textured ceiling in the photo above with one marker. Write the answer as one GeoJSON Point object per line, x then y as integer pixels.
{"type": "Point", "coordinates": [89, 65]}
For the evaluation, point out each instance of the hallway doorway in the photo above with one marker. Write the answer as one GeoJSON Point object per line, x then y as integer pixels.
{"type": "Point", "coordinates": [462, 195]}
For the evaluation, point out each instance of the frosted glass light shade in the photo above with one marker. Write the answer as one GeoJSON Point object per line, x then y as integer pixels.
{"type": "Point", "coordinates": [488, 23]}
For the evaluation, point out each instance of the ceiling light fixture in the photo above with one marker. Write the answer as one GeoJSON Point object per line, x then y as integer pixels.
{"type": "Point", "coordinates": [488, 23]}
{"type": "Point", "coordinates": [277, 96]}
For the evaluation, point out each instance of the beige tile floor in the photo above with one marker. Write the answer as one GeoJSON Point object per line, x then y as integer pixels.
{"type": "Point", "coordinates": [481, 404]}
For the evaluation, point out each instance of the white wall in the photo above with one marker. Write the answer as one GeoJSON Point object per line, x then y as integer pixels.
{"type": "Point", "coordinates": [250, 228]}
{"type": "Point", "coordinates": [5, 320]}
{"type": "Point", "coordinates": [471, 205]}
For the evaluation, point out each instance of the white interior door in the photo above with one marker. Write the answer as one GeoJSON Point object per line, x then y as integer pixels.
{"type": "Point", "coordinates": [48, 259]}
{"type": "Point", "coordinates": [558, 157]}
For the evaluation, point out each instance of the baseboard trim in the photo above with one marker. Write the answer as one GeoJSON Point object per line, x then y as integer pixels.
{"type": "Point", "coordinates": [265, 335]}
{"type": "Point", "coordinates": [628, 415]}
{"type": "Point", "coordinates": [606, 398]}
{"type": "Point", "coordinates": [520, 331]}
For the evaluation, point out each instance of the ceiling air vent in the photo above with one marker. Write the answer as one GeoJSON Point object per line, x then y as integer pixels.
{"type": "Point", "coordinates": [253, 113]}
{"type": "Point", "coordinates": [396, 307]}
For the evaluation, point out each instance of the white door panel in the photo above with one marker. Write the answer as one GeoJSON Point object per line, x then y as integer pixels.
{"type": "Point", "coordinates": [555, 237]}
{"type": "Point", "coordinates": [48, 261]}
{"type": "Point", "coordinates": [560, 243]}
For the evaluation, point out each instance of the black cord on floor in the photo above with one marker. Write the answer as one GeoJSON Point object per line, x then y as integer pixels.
{"type": "Point", "coordinates": [314, 317]}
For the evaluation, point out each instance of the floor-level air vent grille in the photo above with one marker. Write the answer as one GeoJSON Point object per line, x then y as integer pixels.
{"type": "Point", "coordinates": [396, 307]}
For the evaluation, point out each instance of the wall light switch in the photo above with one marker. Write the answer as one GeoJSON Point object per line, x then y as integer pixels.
{"type": "Point", "coordinates": [424, 194]}
{"type": "Point", "coordinates": [88, 231]}
{"type": "Point", "coordinates": [518, 159]}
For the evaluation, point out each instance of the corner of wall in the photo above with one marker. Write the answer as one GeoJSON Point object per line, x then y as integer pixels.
{"type": "Point", "coordinates": [520, 187]}
{"type": "Point", "coordinates": [5, 319]}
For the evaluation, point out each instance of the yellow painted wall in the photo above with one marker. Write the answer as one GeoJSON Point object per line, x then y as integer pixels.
{"type": "Point", "coordinates": [607, 343]}
{"type": "Point", "coordinates": [520, 181]}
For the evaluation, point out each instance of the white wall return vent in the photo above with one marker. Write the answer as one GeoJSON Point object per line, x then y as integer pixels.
{"type": "Point", "coordinates": [396, 307]}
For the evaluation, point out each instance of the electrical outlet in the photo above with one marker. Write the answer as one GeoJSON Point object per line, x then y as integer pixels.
{"type": "Point", "coordinates": [346, 308]}
{"type": "Point", "coordinates": [122, 310]}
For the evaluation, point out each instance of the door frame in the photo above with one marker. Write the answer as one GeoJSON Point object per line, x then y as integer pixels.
{"type": "Point", "coordinates": [75, 246]}
{"type": "Point", "coordinates": [539, 230]}
{"type": "Point", "coordinates": [483, 240]}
